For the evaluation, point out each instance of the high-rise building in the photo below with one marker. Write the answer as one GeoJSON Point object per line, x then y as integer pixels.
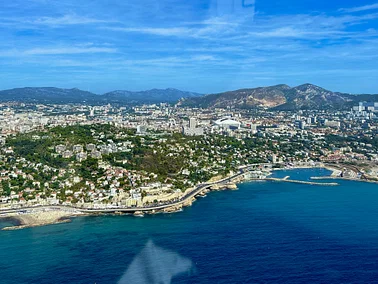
{"type": "Point", "coordinates": [254, 128]}
{"type": "Point", "coordinates": [302, 124]}
{"type": "Point", "coordinates": [192, 123]}
{"type": "Point", "coordinates": [273, 158]}
{"type": "Point", "coordinates": [193, 130]}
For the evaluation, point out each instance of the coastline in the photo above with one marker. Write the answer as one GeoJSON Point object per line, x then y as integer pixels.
{"type": "Point", "coordinates": [38, 218]}
{"type": "Point", "coordinates": [336, 175]}
{"type": "Point", "coordinates": [335, 172]}
{"type": "Point", "coordinates": [43, 216]}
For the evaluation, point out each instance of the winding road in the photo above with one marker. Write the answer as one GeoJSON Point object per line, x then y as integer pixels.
{"type": "Point", "coordinates": [182, 200]}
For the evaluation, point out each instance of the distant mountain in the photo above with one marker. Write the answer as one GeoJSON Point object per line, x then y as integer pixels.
{"type": "Point", "coordinates": [152, 96]}
{"type": "Point", "coordinates": [46, 94]}
{"type": "Point", "coordinates": [309, 96]}
{"type": "Point", "coordinates": [57, 95]}
{"type": "Point", "coordinates": [280, 97]}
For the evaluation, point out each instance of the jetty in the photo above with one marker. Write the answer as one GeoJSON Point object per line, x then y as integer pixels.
{"type": "Point", "coordinates": [325, 177]}
{"type": "Point", "coordinates": [303, 182]}
{"type": "Point", "coordinates": [345, 178]}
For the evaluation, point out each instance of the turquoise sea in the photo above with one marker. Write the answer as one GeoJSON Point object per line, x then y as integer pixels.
{"type": "Point", "coordinates": [266, 232]}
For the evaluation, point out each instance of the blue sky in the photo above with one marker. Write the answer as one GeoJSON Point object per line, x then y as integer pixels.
{"type": "Point", "coordinates": [198, 45]}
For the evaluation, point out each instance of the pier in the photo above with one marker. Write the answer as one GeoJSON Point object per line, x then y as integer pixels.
{"type": "Point", "coordinates": [325, 177]}
{"type": "Point", "coordinates": [345, 178]}
{"type": "Point", "coordinates": [303, 182]}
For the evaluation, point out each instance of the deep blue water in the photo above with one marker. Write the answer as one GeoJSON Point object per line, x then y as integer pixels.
{"type": "Point", "coordinates": [266, 232]}
{"type": "Point", "coordinates": [301, 174]}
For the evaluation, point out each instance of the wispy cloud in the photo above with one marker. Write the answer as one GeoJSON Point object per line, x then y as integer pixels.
{"type": "Point", "coordinates": [290, 32]}
{"type": "Point", "coordinates": [305, 26]}
{"type": "Point", "coordinates": [63, 20]}
{"type": "Point", "coordinates": [204, 57]}
{"type": "Point", "coordinates": [56, 51]}
{"type": "Point", "coordinates": [360, 8]}
{"type": "Point", "coordinates": [155, 31]}
{"type": "Point", "coordinates": [69, 50]}
{"type": "Point", "coordinates": [182, 39]}
{"type": "Point", "coordinates": [310, 27]}
{"type": "Point", "coordinates": [69, 19]}
{"type": "Point", "coordinates": [208, 28]}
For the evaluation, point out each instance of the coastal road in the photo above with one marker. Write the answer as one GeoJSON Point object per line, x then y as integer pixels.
{"type": "Point", "coordinates": [200, 188]}
{"type": "Point", "coordinates": [182, 200]}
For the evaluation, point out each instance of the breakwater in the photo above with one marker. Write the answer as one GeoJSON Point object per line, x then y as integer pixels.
{"type": "Point", "coordinates": [303, 182]}
{"type": "Point", "coordinates": [344, 178]}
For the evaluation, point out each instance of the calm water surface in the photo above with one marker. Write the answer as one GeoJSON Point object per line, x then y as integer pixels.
{"type": "Point", "coordinates": [266, 232]}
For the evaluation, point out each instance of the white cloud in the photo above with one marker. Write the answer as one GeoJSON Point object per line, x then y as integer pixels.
{"type": "Point", "coordinates": [218, 43]}
{"type": "Point", "coordinates": [69, 50]}
{"type": "Point", "coordinates": [222, 21]}
{"type": "Point", "coordinates": [216, 49]}
{"type": "Point", "coordinates": [290, 32]}
{"type": "Point", "coordinates": [204, 57]}
{"type": "Point", "coordinates": [56, 51]}
{"type": "Point", "coordinates": [309, 27]}
{"type": "Point", "coordinates": [155, 31]}
{"type": "Point", "coordinates": [302, 26]}
{"type": "Point", "coordinates": [66, 20]}
{"type": "Point", "coordinates": [360, 8]}
{"type": "Point", "coordinates": [210, 28]}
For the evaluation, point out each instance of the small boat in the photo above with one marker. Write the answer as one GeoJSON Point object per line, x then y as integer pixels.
{"type": "Point", "coordinates": [138, 214]}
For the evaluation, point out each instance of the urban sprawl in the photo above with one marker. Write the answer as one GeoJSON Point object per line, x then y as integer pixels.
{"type": "Point", "coordinates": [98, 157]}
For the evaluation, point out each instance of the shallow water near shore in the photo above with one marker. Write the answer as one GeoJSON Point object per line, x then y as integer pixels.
{"type": "Point", "coordinates": [264, 232]}
{"type": "Point", "coordinates": [9, 222]}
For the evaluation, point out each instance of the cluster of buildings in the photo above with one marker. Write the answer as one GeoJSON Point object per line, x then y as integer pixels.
{"type": "Point", "coordinates": [366, 107]}
{"type": "Point", "coordinates": [81, 152]}
{"type": "Point", "coordinates": [225, 139]}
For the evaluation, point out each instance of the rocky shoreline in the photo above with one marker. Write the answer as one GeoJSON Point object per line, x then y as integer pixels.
{"type": "Point", "coordinates": [41, 217]}
{"type": "Point", "coordinates": [38, 218]}
{"type": "Point", "coordinates": [179, 207]}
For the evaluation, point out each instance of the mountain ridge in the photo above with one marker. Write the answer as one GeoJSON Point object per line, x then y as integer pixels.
{"type": "Point", "coordinates": [152, 95]}
{"type": "Point", "coordinates": [277, 97]}
{"type": "Point", "coordinates": [280, 97]}
{"type": "Point", "coordinates": [75, 95]}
